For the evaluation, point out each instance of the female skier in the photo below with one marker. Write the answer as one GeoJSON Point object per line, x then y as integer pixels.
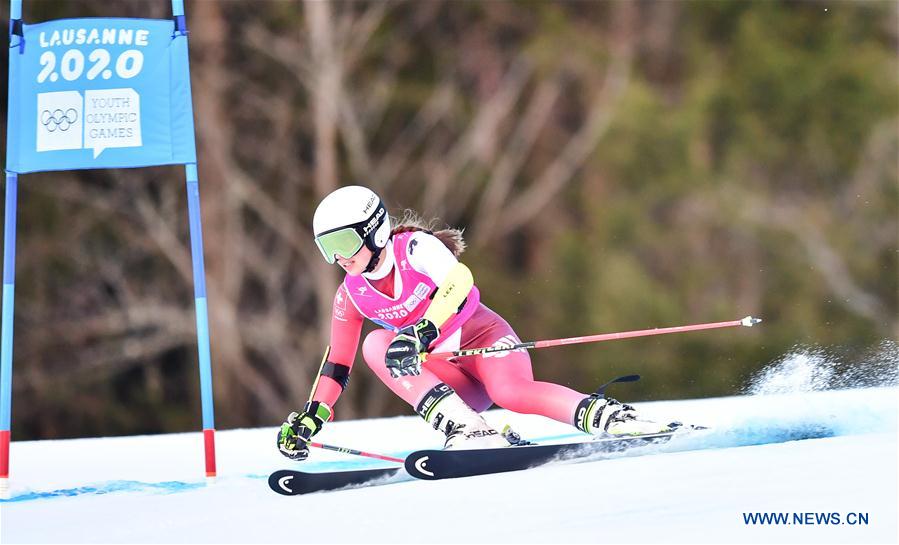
{"type": "Point", "coordinates": [408, 281]}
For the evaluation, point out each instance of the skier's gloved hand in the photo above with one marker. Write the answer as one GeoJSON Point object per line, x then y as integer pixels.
{"type": "Point", "coordinates": [405, 353]}
{"type": "Point", "coordinates": [296, 431]}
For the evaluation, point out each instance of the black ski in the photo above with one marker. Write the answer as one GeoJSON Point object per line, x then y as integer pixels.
{"type": "Point", "coordinates": [450, 464]}
{"type": "Point", "coordinates": [290, 482]}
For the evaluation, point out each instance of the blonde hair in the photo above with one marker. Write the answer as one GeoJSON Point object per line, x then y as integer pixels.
{"type": "Point", "coordinates": [411, 221]}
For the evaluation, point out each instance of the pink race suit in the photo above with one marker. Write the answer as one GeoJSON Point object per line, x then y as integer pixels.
{"type": "Point", "coordinates": [504, 378]}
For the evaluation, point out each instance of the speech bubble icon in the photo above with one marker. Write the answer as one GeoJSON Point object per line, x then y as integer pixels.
{"type": "Point", "coordinates": [111, 119]}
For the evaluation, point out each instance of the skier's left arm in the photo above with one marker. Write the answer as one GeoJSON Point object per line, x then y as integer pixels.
{"type": "Point", "coordinates": [454, 280]}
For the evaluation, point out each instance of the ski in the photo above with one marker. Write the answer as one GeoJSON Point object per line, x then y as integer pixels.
{"type": "Point", "coordinates": [291, 482]}
{"type": "Point", "coordinates": [450, 464]}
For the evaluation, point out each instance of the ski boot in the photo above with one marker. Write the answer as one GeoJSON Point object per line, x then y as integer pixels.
{"type": "Point", "coordinates": [604, 416]}
{"type": "Point", "coordinates": [445, 411]}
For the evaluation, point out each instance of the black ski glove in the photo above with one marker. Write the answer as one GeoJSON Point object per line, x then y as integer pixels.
{"type": "Point", "coordinates": [296, 431]}
{"type": "Point", "coordinates": [406, 352]}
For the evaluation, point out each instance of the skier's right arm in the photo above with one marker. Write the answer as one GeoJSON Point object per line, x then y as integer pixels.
{"type": "Point", "coordinates": [346, 327]}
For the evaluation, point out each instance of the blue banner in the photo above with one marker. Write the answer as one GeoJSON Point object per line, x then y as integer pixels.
{"type": "Point", "coordinates": [99, 93]}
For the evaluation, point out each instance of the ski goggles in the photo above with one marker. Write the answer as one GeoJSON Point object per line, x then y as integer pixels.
{"type": "Point", "coordinates": [343, 242]}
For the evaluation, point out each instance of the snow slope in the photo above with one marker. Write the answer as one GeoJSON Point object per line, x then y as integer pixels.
{"type": "Point", "coordinates": [694, 490]}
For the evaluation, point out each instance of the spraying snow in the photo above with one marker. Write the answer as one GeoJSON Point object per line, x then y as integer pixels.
{"type": "Point", "coordinates": [813, 369]}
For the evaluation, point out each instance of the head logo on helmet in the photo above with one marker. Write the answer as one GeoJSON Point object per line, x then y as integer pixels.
{"type": "Point", "coordinates": [349, 218]}
{"type": "Point", "coordinates": [374, 198]}
{"type": "Point", "coordinates": [374, 222]}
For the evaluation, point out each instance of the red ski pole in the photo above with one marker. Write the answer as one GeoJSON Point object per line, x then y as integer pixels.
{"type": "Point", "coordinates": [335, 448]}
{"type": "Point", "coordinates": [355, 452]}
{"type": "Point", "coordinates": [748, 321]}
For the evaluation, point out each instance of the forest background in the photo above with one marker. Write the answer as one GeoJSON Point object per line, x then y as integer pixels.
{"type": "Point", "coordinates": [615, 165]}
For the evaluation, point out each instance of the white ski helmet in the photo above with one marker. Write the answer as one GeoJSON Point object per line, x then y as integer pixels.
{"type": "Point", "coordinates": [348, 218]}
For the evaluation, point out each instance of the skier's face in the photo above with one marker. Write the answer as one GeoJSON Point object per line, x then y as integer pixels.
{"type": "Point", "coordinates": [354, 266]}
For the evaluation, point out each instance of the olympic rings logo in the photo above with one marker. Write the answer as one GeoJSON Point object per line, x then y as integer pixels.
{"type": "Point", "coordinates": [58, 119]}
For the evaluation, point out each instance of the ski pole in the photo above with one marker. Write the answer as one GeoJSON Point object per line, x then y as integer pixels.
{"type": "Point", "coordinates": [355, 452]}
{"type": "Point", "coordinates": [748, 321]}
{"type": "Point", "coordinates": [318, 377]}
{"type": "Point", "coordinates": [335, 448]}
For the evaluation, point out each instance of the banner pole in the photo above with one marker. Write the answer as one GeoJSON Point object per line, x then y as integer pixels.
{"type": "Point", "coordinates": [6, 336]}
{"type": "Point", "coordinates": [9, 271]}
{"type": "Point", "coordinates": [199, 272]}
{"type": "Point", "coordinates": [196, 250]}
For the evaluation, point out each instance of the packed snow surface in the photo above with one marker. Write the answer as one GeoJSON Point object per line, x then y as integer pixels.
{"type": "Point", "coordinates": [794, 453]}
